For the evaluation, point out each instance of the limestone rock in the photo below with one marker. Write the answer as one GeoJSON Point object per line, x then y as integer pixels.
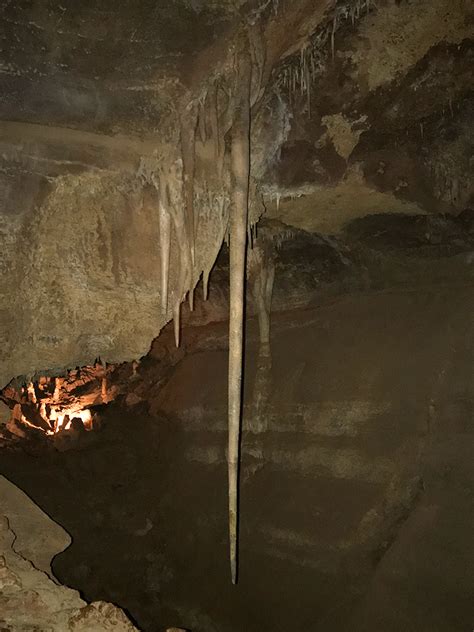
{"type": "Point", "coordinates": [30, 599]}
{"type": "Point", "coordinates": [99, 616]}
{"type": "Point", "coordinates": [79, 236]}
{"type": "Point", "coordinates": [38, 538]}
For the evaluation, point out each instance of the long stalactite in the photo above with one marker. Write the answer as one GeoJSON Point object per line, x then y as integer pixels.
{"type": "Point", "coordinates": [240, 165]}
{"type": "Point", "coordinates": [183, 240]}
{"type": "Point", "coordinates": [197, 184]}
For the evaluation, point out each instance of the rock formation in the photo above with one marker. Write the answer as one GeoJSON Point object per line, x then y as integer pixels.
{"type": "Point", "coordinates": [30, 597]}
{"type": "Point", "coordinates": [136, 138]}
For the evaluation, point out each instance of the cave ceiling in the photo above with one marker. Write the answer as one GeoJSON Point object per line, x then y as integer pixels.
{"type": "Point", "coordinates": [359, 108]}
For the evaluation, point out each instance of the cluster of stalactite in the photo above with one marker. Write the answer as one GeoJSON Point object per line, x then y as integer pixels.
{"type": "Point", "coordinates": [190, 180]}
{"type": "Point", "coordinates": [296, 77]}
{"type": "Point", "coordinates": [201, 181]}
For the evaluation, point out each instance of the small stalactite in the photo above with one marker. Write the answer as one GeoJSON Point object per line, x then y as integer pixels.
{"type": "Point", "coordinates": [202, 119]}
{"type": "Point", "coordinates": [298, 74]}
{"type": "Point", "coordinates": [176, 320]}
{"type": "Point", "coordinates": [205, 284]}
{"type": "Point", "coordinates": [188, 123]}
{"type": "Point", "coordinates": [178, 215]}
{"type": "Point", "coordinates": [215, 124]}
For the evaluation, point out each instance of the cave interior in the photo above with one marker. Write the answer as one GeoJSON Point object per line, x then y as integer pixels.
{"type": "Point", "coordinates": [236, 315]}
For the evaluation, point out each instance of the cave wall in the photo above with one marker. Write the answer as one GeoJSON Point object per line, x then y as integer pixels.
{"type": "Point", "coordinates": [385, 125]}
{"type": "Point", "coordinates": [82, 273]}
{"type": "Point", "coordinates": [357, 469]}
{"type": "Point", "coordinates": [78, 221]}
{"type": "Point", "coordinates": [86, 120]}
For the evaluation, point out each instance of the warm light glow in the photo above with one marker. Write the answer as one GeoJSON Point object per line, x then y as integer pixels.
{"type": "Point", "coordinates": [57, 408]}
{"type": "Point", "coordinates": [62, 419]}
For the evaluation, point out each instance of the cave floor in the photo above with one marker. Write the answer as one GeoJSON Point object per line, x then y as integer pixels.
{"type": "Point", "coordinates": [357, 494]}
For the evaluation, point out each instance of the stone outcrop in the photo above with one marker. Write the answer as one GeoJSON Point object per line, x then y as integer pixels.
{"type": "Point", "coordinates": [30, 597]}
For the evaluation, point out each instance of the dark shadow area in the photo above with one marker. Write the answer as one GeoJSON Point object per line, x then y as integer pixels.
{"type": "Point", "coordinates": [357, 479]}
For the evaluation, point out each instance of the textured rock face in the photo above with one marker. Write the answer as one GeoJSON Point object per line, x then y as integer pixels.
{"type": "Point", "coordinates": [356, 454]}
{"type": "Point", "coordinates": [29, 598]}
{"type": "Point", "coordinates": [83, 259]}
{"type": "Point", "coordinates": [37, 538]}
{"type": "Point", "coordinates": [80, 251]}
{"type": "Point", "coordinates": [381, 127]}
{"type": "Point", "coordinates": [385, 126]}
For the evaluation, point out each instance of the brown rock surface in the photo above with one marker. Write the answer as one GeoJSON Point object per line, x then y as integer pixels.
{"type": "Point", "coordinates": [30, 598]}
{"type": "Point", "coordinates": [385, 128]}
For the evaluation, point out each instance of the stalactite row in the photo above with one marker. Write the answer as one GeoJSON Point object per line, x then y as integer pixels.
{"type": "Point", "coordinates": [212, 206]}
{"type": "Point", "coordinates": [273, 194]}
{"type": "Point", "coordinates": [195, 212]}
{"type": "Point", "coordinates": [297, 76]}
{"type": "Point", "coordinates": [183, 230]}
{"type": "Point", "coordinates": [168, 176]}
{"type": "Point", "coordinates": [183, 206]}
